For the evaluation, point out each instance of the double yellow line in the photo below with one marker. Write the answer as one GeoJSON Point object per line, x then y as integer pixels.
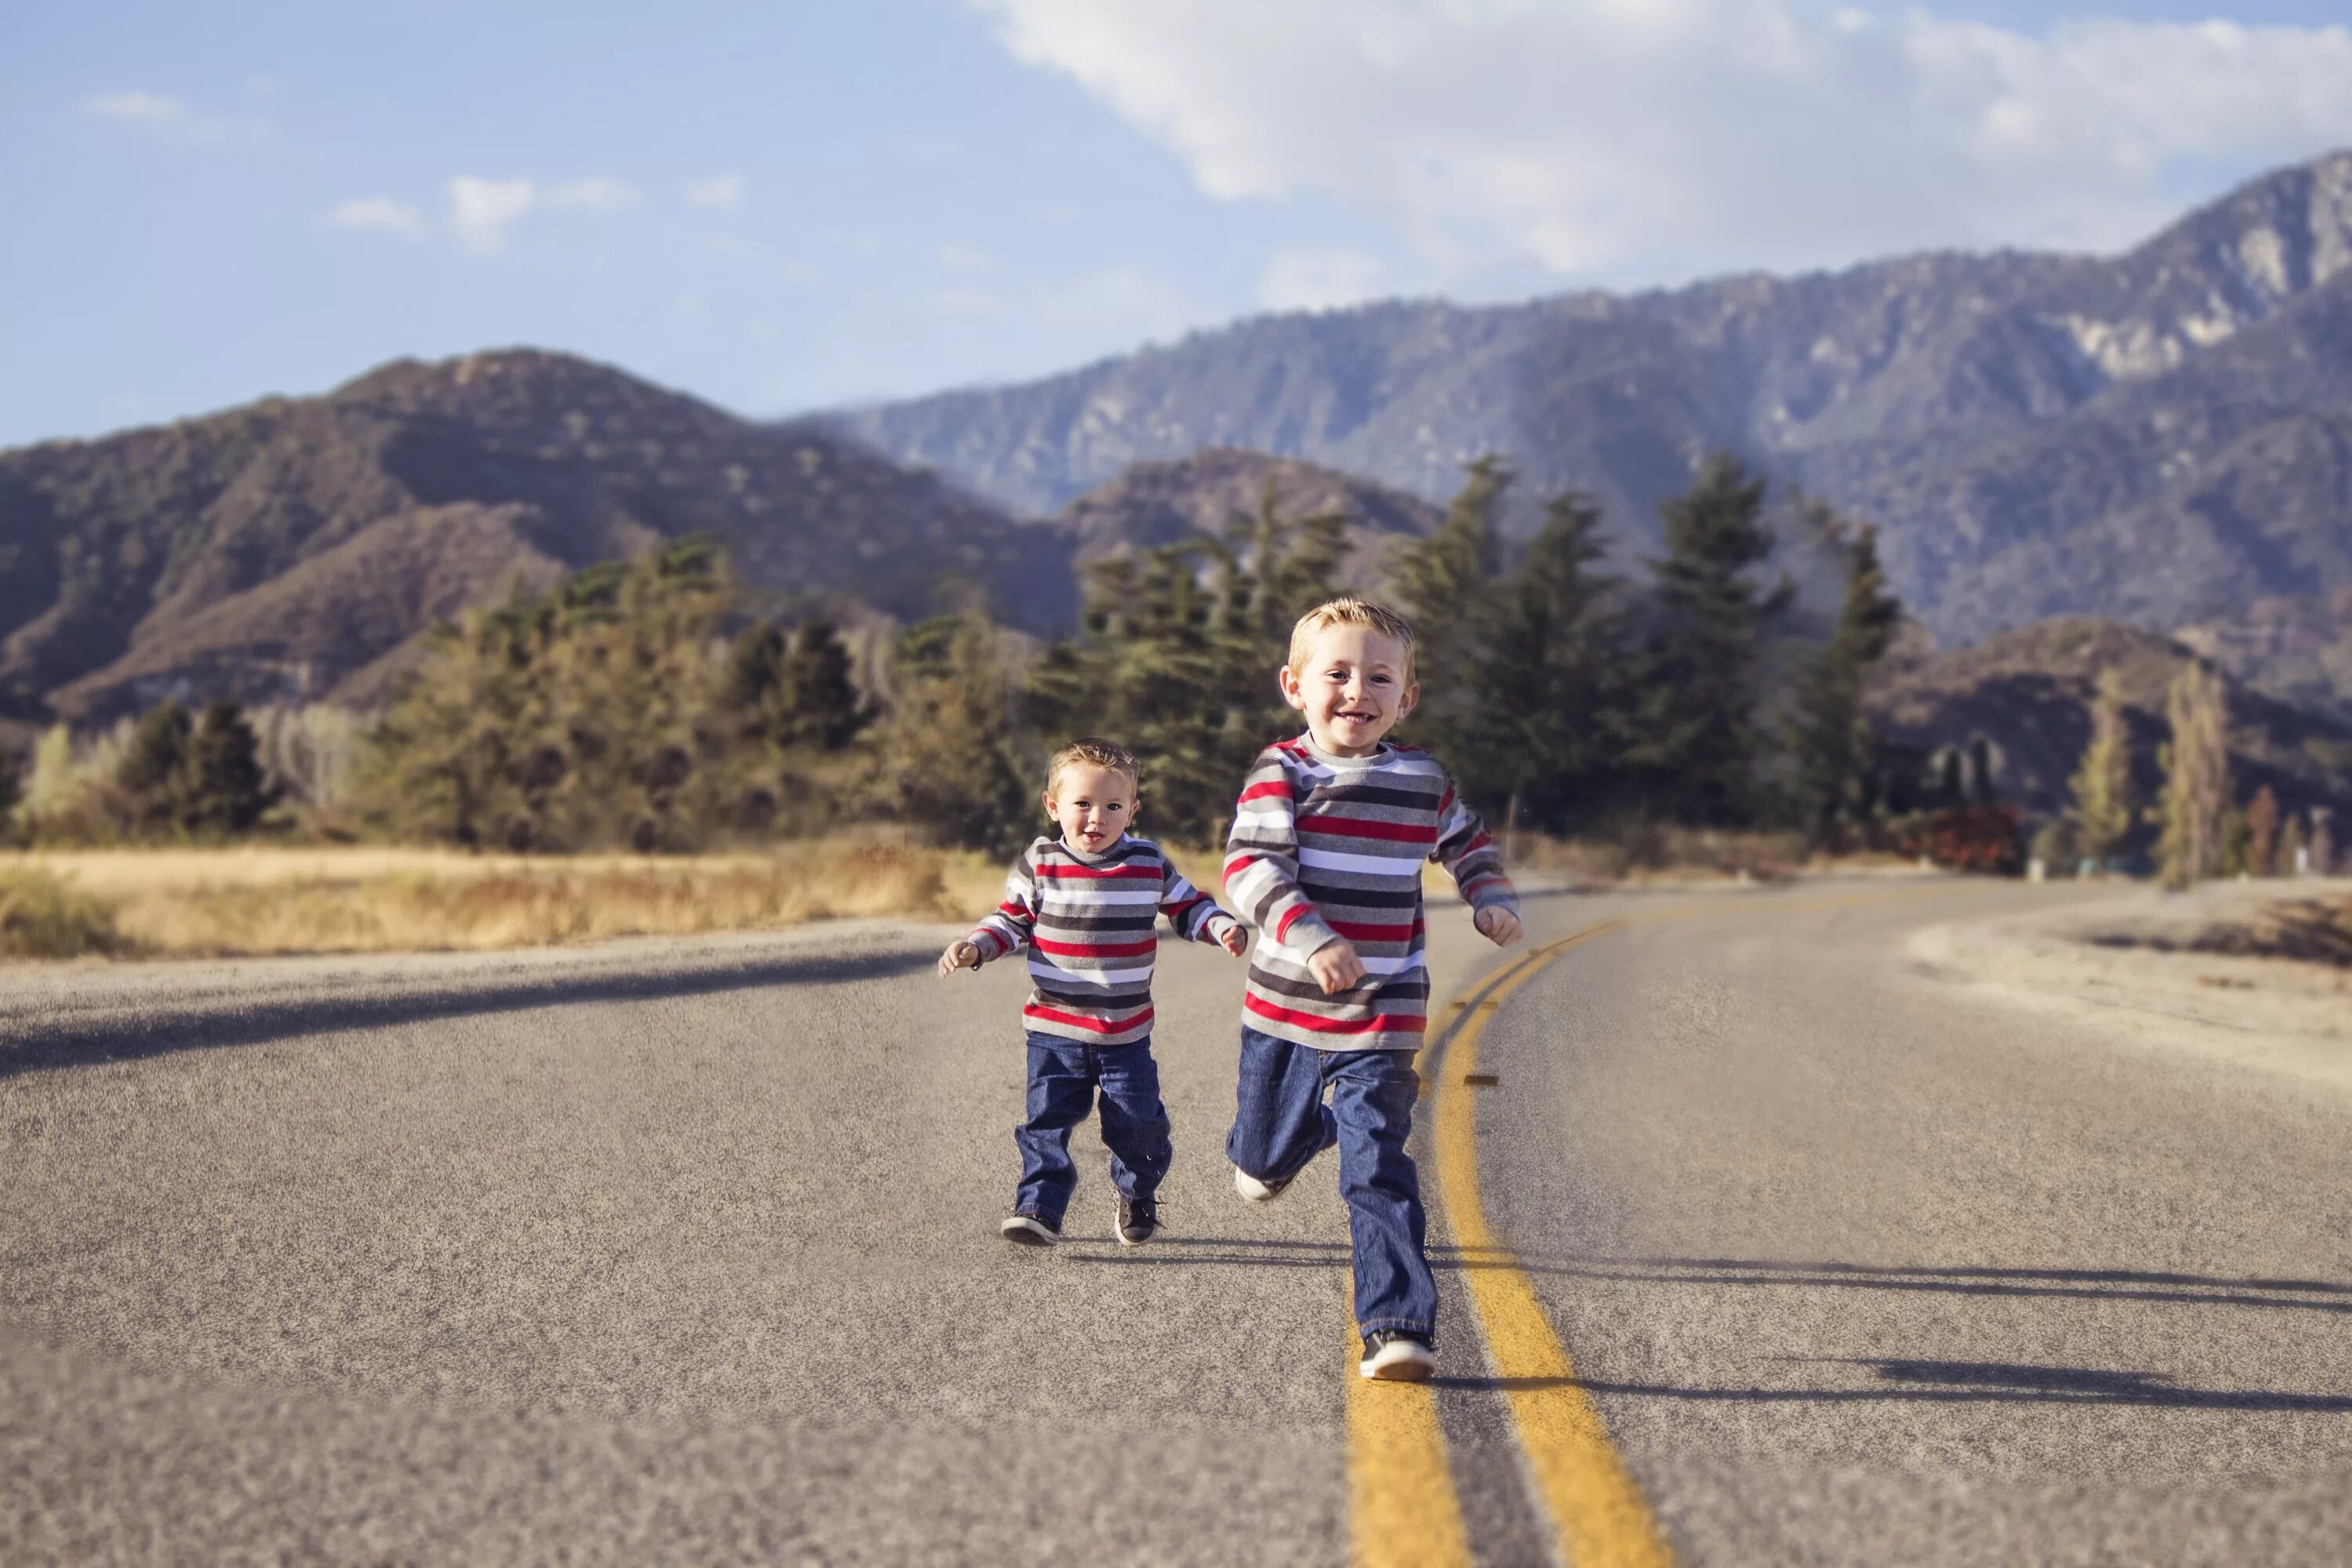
{"type": "Point", "coordinates": [1401, 1490]}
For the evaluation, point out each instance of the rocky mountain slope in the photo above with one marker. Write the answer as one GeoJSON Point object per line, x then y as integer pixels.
{"type": "Point", "coordinates": [2161, 436]}
{"type": "Point", "coordinates": [2029, 693]}
{"type": "Point", "coordinates": [285, 548]}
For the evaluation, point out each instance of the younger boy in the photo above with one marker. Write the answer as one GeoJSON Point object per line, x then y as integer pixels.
{"type": "Point", "coordinates": [1324, 861]}
{"type": "Point", "coordinates": [1084, 906]}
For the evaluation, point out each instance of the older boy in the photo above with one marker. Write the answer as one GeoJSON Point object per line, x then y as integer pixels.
{"type": "Point", "coordinates": [1085, 905]}
{"type": "Point", "coordinates": [1324, 861]}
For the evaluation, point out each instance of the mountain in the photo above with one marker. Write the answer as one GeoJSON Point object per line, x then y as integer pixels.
{"type": "Point", "coordinates": [2161, 436]}
{"type": "Point", "coordinates": [1156, 504]}
{"type": "Point", "coordinates": [290, 547]}
{"type": "Point", "coordinates": [2028, 693]}
{"type": "Point", "coordinates": [2298, 648]}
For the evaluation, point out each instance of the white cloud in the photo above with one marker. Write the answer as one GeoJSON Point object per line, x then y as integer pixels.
{"type": "Point", "coordinates": [171, 119]}
{"type": "Point", "coordinates": [596, 196]}
{"type": "Point", "coordinates": [481, 210]}
{"type": "Point", "coordinates": [1320, 279]}
{"type": "Point", "coordinates": [380, 214]}
{"type": "Point", "coordinates": [1642, 135]}
{"type": "Point", "coordinates": [963, 258]}
{"type": "Point", "coordinates": [719, 193]}
{"type": "Point", "coordinates": [136, 108]}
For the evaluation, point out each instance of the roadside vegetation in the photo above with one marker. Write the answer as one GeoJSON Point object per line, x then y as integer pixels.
{"type": "Point", "coordinates": [637, 748]}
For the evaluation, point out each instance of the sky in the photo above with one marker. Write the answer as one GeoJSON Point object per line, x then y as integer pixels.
{"type": "Point", "coordinates": [786, 207]}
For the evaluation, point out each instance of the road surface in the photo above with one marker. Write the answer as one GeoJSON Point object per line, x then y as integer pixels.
{"type": "Point", "coordinates": [1758, 1245]}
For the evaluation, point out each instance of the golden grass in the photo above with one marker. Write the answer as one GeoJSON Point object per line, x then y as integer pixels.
{"type": "Point", "coordinates": [246, 902]}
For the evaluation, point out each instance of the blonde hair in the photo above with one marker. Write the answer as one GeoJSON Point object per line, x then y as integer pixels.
{"type": "Point", "coordinates": [1095, 753]}
{"type": "Point", "coordinates": [1349, 612]}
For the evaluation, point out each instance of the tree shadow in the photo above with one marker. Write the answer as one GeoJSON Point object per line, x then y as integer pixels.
{"type": "Point", "coordinates": [1954, 1382]}
{"type": "Point", "coordinates": [126, 1034]}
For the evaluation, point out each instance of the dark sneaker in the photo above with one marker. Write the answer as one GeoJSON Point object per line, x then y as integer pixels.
{"type": "Point", "coordinates": [1392, 1355]}
{"type": "Point", "coordinates": [1026, 1229]}
{"type": "Point", "coordinates": [1256, 1191]}
{"type": "Point", "coordinates": [1138, 1221]}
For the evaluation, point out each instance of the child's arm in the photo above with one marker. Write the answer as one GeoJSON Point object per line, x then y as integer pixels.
{"type": "Point", "coordinates": [1262, 878]}
{"type": "Point", "coordinates": [1003, 930]}
{"type": "Point", "coordinates": [1471, 857]}
{"type": "Point", "coordinates": [1195, 915]}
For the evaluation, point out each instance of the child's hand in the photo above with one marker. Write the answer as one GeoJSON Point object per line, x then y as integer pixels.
{"type": "Point", "coordinates": [1336, 966]}
{"type": "Point", "coordinates": [959, 955]}
{"type": "Point", "coordinates": [1497, 925]}
{"type": "Point", "coordinates": [1234, 940]}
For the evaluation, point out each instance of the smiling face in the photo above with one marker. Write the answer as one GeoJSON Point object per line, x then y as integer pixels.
{"type": "Point", "coordinates": [1354, 684]}
{"type": "Point", "coordinates": [1094, 805]}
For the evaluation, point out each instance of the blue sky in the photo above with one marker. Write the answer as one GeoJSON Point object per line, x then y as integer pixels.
{"type": "Point", "coordinates": [789, 205]}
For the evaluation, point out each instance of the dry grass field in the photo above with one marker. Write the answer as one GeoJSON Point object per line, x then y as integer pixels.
{"type": "Point", "coordinates": [257, 900]}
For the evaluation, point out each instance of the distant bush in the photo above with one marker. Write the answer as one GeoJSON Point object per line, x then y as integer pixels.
{"type": "Point", "coordinates": [42, 916]}
{"type": "Point", "coordinates": [1986, 839]}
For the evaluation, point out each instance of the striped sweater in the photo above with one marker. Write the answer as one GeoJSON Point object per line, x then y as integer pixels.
{"type": "Point", "coordinates": [1087, 925]}
{"type": "Point", "coordinates": [1328, 846]}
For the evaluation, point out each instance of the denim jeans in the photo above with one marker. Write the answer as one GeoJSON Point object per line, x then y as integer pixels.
{"type": "Point", "coordinates": [1064, 1080]}
{"type": "Point", "coordinates": [1281, 1122]}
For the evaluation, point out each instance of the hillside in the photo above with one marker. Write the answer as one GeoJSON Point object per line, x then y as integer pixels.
{"type": "Point", "coordinates": [2298, 648]}
{"type": "Point", "coordinates": [286, 548]}
{"type": "Point", "coordinates": [2162, 436]}
{"type": "Point", "coordinates": [2028, 693]}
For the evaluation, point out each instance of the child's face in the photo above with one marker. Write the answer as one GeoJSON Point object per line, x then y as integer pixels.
{"type": "Point", "coordinates": [1353, 688]}
{"type": "Point", "coordinates": [1093, 804]}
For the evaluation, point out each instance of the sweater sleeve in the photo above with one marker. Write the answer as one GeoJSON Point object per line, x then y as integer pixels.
{"type": "Point", "coordinates": [1261, 860]}
{"type": "Point", "coordinates": [1471, 857]}
{"type": "Point", "coordinates": [1192, 912]}
{"type": "Point", "coordinates": [1006, 928]}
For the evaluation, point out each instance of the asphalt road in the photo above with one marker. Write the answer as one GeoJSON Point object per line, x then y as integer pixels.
{"type": "Point", "coordinates": [686, 1252]}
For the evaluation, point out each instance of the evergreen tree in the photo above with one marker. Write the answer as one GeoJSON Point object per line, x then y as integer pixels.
{"type": "Point", "coordinates": [945, 756]}
{"type": "Point", "coordinates": [1445, 585]}
{"type": "Point", "coordinates": [11, 787]}
{"type": "Point", "coordinates": [1549, 725]}
{"type": "Point", "coordinates": [2196, 777]}
{"type": "Point", "coordinates": [794, 693]}
{"type": "Point", "coordinates": [153, 771]}
{"type": "Point", "coordinates": [1697, 739]}
{"type": "Point", "coordinates": [2101, 782]}
{"type": "Point", "coordinates": [2262, 833]}
{"type": "Point", "coordinates": [225, 791]}
{"type": "Point", "coordinates": [1836, 754]}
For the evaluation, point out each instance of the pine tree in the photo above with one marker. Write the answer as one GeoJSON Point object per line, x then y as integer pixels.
{"type": "Point", "coordinates": [2262, 833]}
{"type": "Point", "coordinates": [945, 755]}
{"type": "Point", "coordinates": [793, 693]}
{"type": "Point", "coordinates": [12, 788]}
{"type": "Point", "coordinates": [1549, 725]}
{"type": "Point", "coordinates": [1836, 754]}
{"type": "Point", "coordinates": [2196, 777]}
{"type": "Point", "coordinates": [1445, 585]}
{"type": "Point", "coordinates": [2102, 783]}
{"type": "Point", "coordinates": [225, 791]}
{"type": "Point", "coordinates": [153, 771]}
{"type": "Point", "coordinates": [1697, 738]}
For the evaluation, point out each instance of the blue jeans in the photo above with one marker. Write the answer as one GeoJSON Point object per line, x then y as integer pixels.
{"type": "Point", "coordinates": [1064, 1078]}
{"type": "Point", "coordinates": [1281, 1122]}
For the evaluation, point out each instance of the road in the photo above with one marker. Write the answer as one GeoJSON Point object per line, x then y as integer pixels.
{"type": "Point", "coordinates": [1758, 1246]}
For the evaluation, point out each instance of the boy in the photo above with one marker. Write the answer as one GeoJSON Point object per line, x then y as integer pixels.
{"type": "Point", "coordinates": [1324, 861]}
{"type": "Point", "coordinates": [1085, 905]}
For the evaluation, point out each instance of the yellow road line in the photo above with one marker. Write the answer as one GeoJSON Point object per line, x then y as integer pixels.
{"type": "Point", "coordinates": [1602, 1517]}
{"type": "Point", "coordinates": [1402, 1510]}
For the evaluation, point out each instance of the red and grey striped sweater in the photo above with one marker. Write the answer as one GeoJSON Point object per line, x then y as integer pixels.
{"type": "Point", "coordinates": [1087, 925]}
{"type": "Point", "coordinates": [1326, 846]}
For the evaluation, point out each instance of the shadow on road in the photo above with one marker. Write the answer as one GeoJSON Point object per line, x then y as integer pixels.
{"type": "Point", "coordinates": [2099, 1284]}
{"type": "Point", "coordinates": [128, 1034]}
{"type": "Point", "coordinates": [1958, 1381]}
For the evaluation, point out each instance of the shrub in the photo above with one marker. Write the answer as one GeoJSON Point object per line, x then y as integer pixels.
{"type": "Point", "coordinates": [42, 916]}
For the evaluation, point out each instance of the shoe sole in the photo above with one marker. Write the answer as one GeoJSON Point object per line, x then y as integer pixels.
{"type": "Point", "coordinates": [1024, 1232]}
{"type": "Point", "coordinates": [1392, 1365]}
{"type": "Point", "coordinates": [1267, 1191]}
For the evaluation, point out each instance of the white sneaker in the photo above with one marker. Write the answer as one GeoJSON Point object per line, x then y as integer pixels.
{"type": "Point", "coordinates": [1394, 1357]}
{"type": "Point", "coordinates": [1255, 1191]}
